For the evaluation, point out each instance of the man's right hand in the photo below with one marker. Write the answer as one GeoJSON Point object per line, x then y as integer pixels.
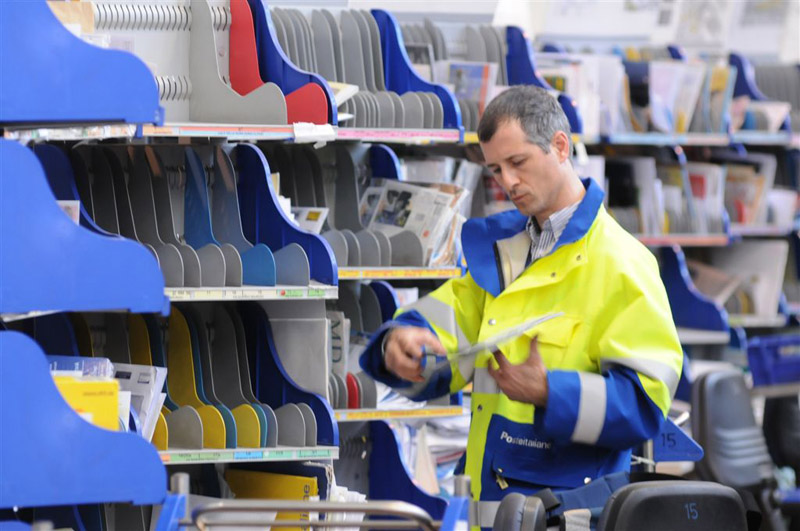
{"type": "Point", "coordinates": [403, 351]}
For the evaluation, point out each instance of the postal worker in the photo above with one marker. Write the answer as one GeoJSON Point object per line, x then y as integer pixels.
{"type": "Point", "coordinates": [563, 404]}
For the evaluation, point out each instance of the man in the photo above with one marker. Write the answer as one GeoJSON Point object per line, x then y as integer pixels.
{"type": "Point", "coordinates": [563, 404]}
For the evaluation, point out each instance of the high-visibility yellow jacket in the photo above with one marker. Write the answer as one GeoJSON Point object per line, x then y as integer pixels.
{"type": "Point", "coordinates": [613, 358]}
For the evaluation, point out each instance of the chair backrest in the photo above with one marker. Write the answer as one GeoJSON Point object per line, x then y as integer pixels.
{"type": "Point", "coordinates": [670, 505]}
{"type": "Point", "coordinates": [520, 513]}
{"type": "Point", "coordinates": [723, 423]}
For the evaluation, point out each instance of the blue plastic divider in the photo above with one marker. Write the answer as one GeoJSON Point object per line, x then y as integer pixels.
{"type": "Point", "coordinates": [389, 479]}
{"type": "Point", "coordinates": [554, 48]}
{"type": "Point", "coordinates": [75, 463]}
{"type": "Point", "coordinates": [676, 52]}
{"type": "Point", "coordinates": [387, 297]}
{"type": "Point", "coordinates": [157, 354]}
{"type": "Point", "coordinates": [224, 411]}
{"type": "Point", "coordinates": [690, 308]}
{"type": "Point", "coordinates": [258, 262]}
{"type": "Point", "coordinates": [263, 221]}
{"type": "Point", "coordinates": [384, 162]}
{"type": "Point", "coordinates": [521, 68]}
{"type": "Point", "coordinates": [672, 444]}
{"type": "Point", "coordinates": [13, 525]}
{"type": "Point", "coordinates": [271, 384]}
{"type": "Point", "coordinates": [746, 83]}
{"type": "Point", "coordinates": [54, 264]}
{"type": "Point", "coordinates": [276, 67]}
{"type": "Point", "coordinates": [55, 335]}
{"type": "Point", "coordinates": [400, 75]}
{"type": "Point", "coordinates": [61, 178]}
{"type": "Point", "coordinates": [51, 76]}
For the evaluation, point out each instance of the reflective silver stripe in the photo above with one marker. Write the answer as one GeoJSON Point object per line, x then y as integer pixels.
{"type": "Point", "coordinates": [442, 315]}
{"type": "Point", "coordinates": [591, 409]}
{"type": "Point", "coordinates": [483, 382]}
{"type": "Point", "coordinates": [652, 368]}
{"type": "Point", "coordinates": [486, 511]}
{"type": "Point", "coordinates": [577, 520]}
{"type": "Point", "coordinates": [466, 366]}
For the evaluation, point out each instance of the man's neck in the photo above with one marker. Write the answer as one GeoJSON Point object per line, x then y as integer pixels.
{"type": "Point", "coordinates": [572, 192]}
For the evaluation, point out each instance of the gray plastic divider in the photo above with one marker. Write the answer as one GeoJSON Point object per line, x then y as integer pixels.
{"type": "Point", "coordinates": [280, 32]}
{"type": "Point", "coordinates": [209, 267]}
{"type": "Point", "coordinates": [494, 53]}
{"type": "Point", "coordinates": [370, 248]}
{"type": "Point", "coordinates": [399, 109]}
{"type": "Point", "coordinates": [291, 266]}
{"type": "Point", "coordinates": [439, 46]}
{"type": "Point", "coordinates": [303, 57]}
{"type": "Point", "coordinates": [369, 391]}
{"type": "Point", "coordinates": [353, 248]}
{"type": "Point", "coordinates": [272, 426]}
{"type": "Point", "coordinates": [347, 190]}
{"type": "Point", "coordinates": [304, 177]}
{"type": "Point", "coordinates": [323, 46]}
{"type": "Point", "coordinates": [309, 34]}
{"type": "Point", "coordinates": [102, 190]}
{"type": "Point", "coordinates": [427, 109]}
{"type": "Point", "coordinates": [342, 398]}
{"type": "Point", "coordinates": [359, 109]}
{"type": "Point", "coordinates": [372, 109]}
{"type": "Point", "coordinates": [407, 250]}
{"type": "Point", "coordinates": [144, 217]}
{"type": "Point", "coordinates": [116, 347]}
{"type": "Point", "coordinates": [338, 49]}
{"type": "Point", "coordinates": [214, 101]}
{"type": "Point", "coordinates": [414, 114]}
{"type": "Point", "coordinates": [291, 426]}
{"type": "Point", "coordinates": [386, 248]}
{"type": "Point", "coordinates": [366, 48]}
{"type": "Point", "coordinates": [293, 50]}
{"type": "Point", "coordinates": [348, 303]}
{"type": "Point", "coordinates": [370, 309]}
{"type": "Point", "coordinates": [377, 51]}
{"type": "Point", "coordinates": [311, 423]}
{"type": "Point", "coordinates": [386, 117]}
{"type": "Point", "coordinates": [338, 243]}
{"type": "Point", "coordinates": [352, 53]}
{"type": "Point", "coordinates": [185, 429]}
{"type": "Point", "coordinates": [476, 46]}
{"type": "Point", "coordinates": [438, 112]}
{"type": "Point", "coordinates": [302, 344]}
{"type": "Point", "coordinates": [500, 35]}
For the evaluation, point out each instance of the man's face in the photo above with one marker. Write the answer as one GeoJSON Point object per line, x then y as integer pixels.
{"type": "Point", "coordinates": [529, 176]}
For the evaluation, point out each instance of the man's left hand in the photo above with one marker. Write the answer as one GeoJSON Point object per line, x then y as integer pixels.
{"type": "Point", "coordinates": [526, 382]}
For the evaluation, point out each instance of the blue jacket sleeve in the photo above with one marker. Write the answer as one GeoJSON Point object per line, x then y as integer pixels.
{"type": "Point", "coordinates": [631, 417]}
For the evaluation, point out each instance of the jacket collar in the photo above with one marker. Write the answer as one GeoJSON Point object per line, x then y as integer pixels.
{"type": "Point", "coordinates": [479, 235]}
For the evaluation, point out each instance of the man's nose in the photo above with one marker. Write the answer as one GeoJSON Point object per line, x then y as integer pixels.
{"type": "Point", "coordinates": [508, 179]}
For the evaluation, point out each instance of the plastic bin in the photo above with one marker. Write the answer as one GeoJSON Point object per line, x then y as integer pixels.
{"type": "Point", "coordinates": [774, 359]}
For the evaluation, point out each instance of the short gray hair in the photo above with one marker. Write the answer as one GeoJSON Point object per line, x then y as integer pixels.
{"type": "Point", "coordinates": [538, 112]}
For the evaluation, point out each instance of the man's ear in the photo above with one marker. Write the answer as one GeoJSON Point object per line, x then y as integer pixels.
{"type": "Point", "coordinates": [561, 146]}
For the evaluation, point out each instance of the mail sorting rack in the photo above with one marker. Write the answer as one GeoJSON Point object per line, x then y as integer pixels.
{"type": "Point", "coordinates": [239, 62]}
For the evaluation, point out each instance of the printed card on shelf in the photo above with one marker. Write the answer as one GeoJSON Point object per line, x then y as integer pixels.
{"type": "Point", "coordinates": [311, 219]}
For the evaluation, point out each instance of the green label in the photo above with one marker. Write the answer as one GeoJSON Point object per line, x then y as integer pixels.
{"type": "Point", "coordinates": [316, 292]}
{"type": "Point", "coordinates": [212, 456]}
{"type": "Point", "coordinates": [279, 454]}
{"type": "Point", "coordinates": [294, 293]}
{"type": "Point", "coordinates": [305, 454]}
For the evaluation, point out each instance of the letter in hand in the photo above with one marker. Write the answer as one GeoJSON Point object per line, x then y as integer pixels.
{"type": "Point", "coordinates": [404, 348]}
{"type": "Point", "coordinates": [526, 382]}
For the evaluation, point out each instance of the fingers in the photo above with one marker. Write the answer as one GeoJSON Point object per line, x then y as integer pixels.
{"type": "Point", "coordinates": [502, 361]}
{"type": "Point", "coordinates": [535, 346]}
{"type": "Point", "coordinates": [404, 350]}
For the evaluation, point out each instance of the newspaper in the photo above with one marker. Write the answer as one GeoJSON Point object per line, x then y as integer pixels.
{"type": "Point", "coordinates": [419, 210]}
{"type": "Point", "coordinates": [145, 384]}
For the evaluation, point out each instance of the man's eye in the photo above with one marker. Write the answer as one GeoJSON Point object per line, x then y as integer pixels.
{"type": "Point", "coordinates": [517, 163]}
{"type": "Point", "coordinates": [496, 171]}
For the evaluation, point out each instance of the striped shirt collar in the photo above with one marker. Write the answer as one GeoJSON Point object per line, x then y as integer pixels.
{"type": "Point", "coordinates": [543, 239]}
